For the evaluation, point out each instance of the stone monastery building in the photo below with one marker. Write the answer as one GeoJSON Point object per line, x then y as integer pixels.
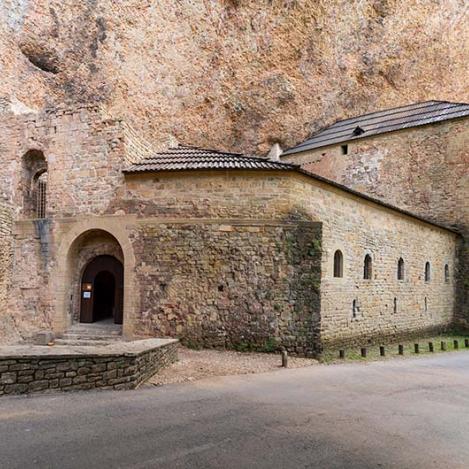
{"type": "Point", "coordinates": [225, 250]}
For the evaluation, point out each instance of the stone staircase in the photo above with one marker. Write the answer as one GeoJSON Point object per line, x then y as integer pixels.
{"type": "Point", "coordinates": [91, 334]}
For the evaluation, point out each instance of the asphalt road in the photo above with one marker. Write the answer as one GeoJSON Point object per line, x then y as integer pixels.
{"type": "Point", "coordinates": [410, 413]}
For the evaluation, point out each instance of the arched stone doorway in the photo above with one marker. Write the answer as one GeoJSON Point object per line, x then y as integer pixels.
{"type": "Point", "coordinates": [102, 288]}
{"type": "Point", "coordinates": [81, 242]}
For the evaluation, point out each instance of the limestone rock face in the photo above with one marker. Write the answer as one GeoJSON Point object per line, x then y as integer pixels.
{"type": "Point", "coordinates": [233, 74]}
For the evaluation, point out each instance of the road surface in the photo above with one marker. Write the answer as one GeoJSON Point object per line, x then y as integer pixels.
{"type": "Point", "coordinates": [411, 413]}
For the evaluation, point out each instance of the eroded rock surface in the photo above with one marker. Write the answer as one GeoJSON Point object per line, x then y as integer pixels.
{"type": "Point", "coordinates": [234, 74]}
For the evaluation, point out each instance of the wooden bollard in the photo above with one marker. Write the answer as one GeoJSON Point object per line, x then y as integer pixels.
{"type": "Point", "coordinates": [466, 343]}
{"type": "Point", "coordinates": [284, 359]}
{"type": "Point", "coordinates": [443, 346]}
{"type": "Point", "coordinates": [342, 354]}
{"type": "Point", "coordinates": [430, 346]}
{"type": "Point", "coordinates": [382, 352]}
{"type": "Point", "coordinates": [401, 350]}
{"type": "Point", "coordinates": [416, 348]}
{"type": "Point", "coordinates": [456, 344]}
{"type": "Point", "coordinates": [363, 352]}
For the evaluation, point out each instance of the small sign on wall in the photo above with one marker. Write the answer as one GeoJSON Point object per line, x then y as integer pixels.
{"type": "Point", "coordinates": [87, 295]}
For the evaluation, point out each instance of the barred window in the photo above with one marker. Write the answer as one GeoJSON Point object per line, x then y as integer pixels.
{"type": "Point", "coordinates": [41, 195]}
{"type": "Point", "coordinates": [33, 184]}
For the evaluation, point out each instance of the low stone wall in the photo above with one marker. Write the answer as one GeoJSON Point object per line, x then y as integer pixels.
{"type": "Point", "coordinates": [27, 369]}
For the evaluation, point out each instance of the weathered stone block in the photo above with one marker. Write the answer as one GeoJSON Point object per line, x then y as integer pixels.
{"type": "Point", "coordinates": [43, 337]}
{"type": "Point", "coordinates": [8, 378]}
{"type": "Point", "coordinates": [39, 385]}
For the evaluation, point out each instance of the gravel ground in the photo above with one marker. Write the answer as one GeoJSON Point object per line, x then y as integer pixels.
{"type": "Point", "coordinates": [198, 364]}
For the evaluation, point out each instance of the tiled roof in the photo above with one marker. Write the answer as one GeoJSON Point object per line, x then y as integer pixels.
{"type": "Point", "coordinates": [184, 157]}
{"type": "Point", "coordinates": [389, 120]}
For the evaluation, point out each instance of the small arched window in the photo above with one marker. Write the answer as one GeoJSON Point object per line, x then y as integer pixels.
{"type": "Point", "coordinates": [446, 273]}
{"type": "Point", "coordinates": [41, 195]}
{"type": "Point", "coordinates": [33, 184]}
{"type": "Point", "coordinates": [400, 269]}
{"type": "Point", "coordinates": [338, 264]}
{"type": "Point", "coordinates": [367, 267]}
{"type": "Point", "coordinates": [427, 272]}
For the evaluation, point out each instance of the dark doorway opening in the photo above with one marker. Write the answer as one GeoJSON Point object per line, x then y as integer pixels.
{"type": "Point", "coordinates": [104, 295]}
{"type": "Point", "coordinates": [102, 290]}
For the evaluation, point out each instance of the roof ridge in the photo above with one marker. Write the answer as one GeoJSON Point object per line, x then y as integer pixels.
{"type": "Point", "coordinates": [220, 152]}
{"type": "Point", "coordinates": [433, 101]}
{"type": "Point", "coordinates": [385, 120]}
{"type": "Point", "coordinates": [389, 123]}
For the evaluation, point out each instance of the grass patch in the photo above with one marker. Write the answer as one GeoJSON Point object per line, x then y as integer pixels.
{"type": "Point", "coordinates": [392, 350]}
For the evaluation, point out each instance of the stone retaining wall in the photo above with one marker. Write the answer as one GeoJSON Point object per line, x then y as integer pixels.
{"type": "Point", "coordinates": [37, 370]}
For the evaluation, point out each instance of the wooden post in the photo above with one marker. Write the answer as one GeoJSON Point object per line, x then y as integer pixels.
{"type": "Point", "coordinates": [466, 343]}
{"type": "Point", "coordinates": [363, 352]}
{"type": "Point", "coordinates": [430, 346]}
{"type": "Point", "coordinates": [456, 344]}
{"type": "Point", "coordinates": [382, 352]}
{"type": "Point", "coordinates": [416, 348]}
{"type": "Point", "coordinates": [401, 350]}
{"type": "Point", "coordinates": [284, 359]}
{"type": "Point", "coordinates": [443, 346]}
{"type": "Point", "coordinates": [342, 354]}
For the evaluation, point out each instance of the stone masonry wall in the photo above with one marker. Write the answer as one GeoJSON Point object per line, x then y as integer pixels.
{"type": "Point", "coordinates": [423, 170]}
{"type": "Point", "coordinates": [246, 286]}
{"type": "Point", "coordinates": [350, 223]}
{"type": "Point", "coordinates": [20, 374]}
{"type": "Point", "coordinates": [7, 327]}
{"type": "Point", "coordinates": [84, 151]}
{"type": "Point", "coordinates": [30, 299]}
{"type": "Point", "coordinates": [358, 227]}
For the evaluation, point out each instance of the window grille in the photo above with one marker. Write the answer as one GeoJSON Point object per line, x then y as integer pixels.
{"type": "Point", "coordinates": [41, 194]}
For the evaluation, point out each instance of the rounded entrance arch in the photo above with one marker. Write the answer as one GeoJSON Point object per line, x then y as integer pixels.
{"type": "Point", "coordinates": [102, 288]}
{"type": "Point", "coordinates": [80, 243]}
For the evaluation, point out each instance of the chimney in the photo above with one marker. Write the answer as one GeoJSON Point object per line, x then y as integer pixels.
{"type": "Point", "coordinates": [275, 152]}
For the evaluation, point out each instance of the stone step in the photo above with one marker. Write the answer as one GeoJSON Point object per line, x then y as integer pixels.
{"type": "Point", "coordinates": [79, 336]}
{"type": "Point", "coordinates": [94, 333]}
{"type": "Point", "coordinates": [82, 342]}
{"type": "Point", "coordinates": [73, 334]}
{"type": "Point", "coordinates": [92, 327]}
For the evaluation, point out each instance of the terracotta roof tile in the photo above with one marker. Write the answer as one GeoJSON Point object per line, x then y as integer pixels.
{"type": "Point", "coordinates": [184, 157]}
